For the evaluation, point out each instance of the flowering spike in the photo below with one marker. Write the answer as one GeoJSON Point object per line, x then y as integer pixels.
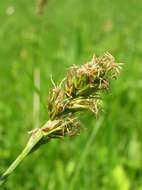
{"type": "Point", "coordinates": [80, 90]}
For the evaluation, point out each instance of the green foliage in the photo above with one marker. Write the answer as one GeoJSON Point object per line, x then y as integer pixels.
{"type": "Point", "coordinates": [71, 31]}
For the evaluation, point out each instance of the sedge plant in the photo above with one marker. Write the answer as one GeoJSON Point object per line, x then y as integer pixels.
{"type": "Point", "coordinates": [80, 90]}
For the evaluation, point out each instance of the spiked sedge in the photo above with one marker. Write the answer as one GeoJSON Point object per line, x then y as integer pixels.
{"type": "Point", "coordinates": [80, 90]}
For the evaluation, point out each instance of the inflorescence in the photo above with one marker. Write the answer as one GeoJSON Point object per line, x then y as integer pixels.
{"type": "Point", "coordinates": [80, 90]}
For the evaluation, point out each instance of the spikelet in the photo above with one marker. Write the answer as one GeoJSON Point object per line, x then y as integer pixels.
{"type": "Point", "coordinates": [81, 89]}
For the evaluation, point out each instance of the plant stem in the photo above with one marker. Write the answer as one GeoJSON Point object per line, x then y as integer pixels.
{"type": "Point", "coordinates": [85, 153]}
{"type": "Point", "coordinates": [36, 97]}
{"type": "Point", "coordinates": [35, 138]}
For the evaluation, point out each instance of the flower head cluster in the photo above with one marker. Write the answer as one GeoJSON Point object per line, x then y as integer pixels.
{"type": "Point", "coordinates": [81, 88]}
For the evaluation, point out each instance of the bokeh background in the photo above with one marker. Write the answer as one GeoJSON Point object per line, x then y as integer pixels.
{"type": "Point", "coordinates": [70, 32]}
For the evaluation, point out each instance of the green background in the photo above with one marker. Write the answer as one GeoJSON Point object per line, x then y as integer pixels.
{"type": "Point", "coordinates": [70, 32]}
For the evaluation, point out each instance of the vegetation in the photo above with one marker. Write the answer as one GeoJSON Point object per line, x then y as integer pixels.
{"type": "Point", "coordinates": [78, 91]}
{"type": "Point", "coordinates": [68, 33]}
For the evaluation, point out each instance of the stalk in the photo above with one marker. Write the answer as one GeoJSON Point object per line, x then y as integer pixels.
{"type": "Point", "coordinates": [36, 137]}
{"type": "Point", "coordinates": [39, 136]}
{"type": "Point", "coordinates": [30, 145]}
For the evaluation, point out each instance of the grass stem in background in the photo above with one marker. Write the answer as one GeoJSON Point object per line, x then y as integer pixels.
{"type": "Point", "coordinates": [85, 153]}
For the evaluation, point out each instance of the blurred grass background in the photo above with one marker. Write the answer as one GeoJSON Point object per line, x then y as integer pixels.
{"type": "Point", "coordinates": [69, 32]}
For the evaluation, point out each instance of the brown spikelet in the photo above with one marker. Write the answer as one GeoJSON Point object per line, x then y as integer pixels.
{"type": "Point", "coordinates": [81, 88]}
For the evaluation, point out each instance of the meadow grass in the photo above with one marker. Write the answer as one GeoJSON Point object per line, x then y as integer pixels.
{"type": "Point", "coordinates": [71, 31]}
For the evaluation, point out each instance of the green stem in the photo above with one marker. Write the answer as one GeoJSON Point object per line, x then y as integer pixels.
{"type": "Point", "coordinates": [85, 153]}
{"type": "Point", "coordinates": [35, 138]}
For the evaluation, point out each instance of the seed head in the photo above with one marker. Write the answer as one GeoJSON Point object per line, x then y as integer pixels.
{"type": "Point", "coordinates": [81, 89]}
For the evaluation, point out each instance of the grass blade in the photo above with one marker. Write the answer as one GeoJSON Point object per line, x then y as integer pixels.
{"type": "Point", "coordinates": [85, 153]}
